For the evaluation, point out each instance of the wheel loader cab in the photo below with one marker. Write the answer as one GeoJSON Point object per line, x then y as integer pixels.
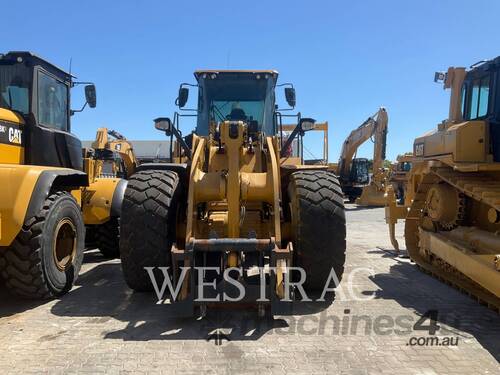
{"type": "Point", "coordinates": [38, 94]}
{"type": "Point", "coordinates": [236, 96]}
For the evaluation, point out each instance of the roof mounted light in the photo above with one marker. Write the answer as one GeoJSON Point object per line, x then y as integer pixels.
{"type": "Point", "coordinates": [439, 77]}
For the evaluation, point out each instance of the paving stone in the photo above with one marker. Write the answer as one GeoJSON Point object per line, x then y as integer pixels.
{"type": "Point", "coordinates": [102, 327]}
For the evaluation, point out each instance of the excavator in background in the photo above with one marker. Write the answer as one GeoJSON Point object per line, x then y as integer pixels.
{"type": "Point", "coordinates": [452, 205]}
{"type": "Point", "coordinates": [354, 172]}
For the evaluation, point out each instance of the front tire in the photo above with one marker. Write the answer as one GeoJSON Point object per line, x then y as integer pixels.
{"type": "Point", "coordinates": [318, 226]}
{"type": "Point", "coordinates": [46, 256]}
{"type": "Point", "coordinates": [148, 226]}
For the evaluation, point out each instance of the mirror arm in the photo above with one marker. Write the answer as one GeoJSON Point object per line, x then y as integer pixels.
{"type": "Point", "coordinates": [81, 83]}
{"type": "Point", "coordinates": [73, 111]}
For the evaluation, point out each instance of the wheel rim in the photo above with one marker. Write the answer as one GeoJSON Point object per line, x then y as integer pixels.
{"type": "Point", "coordinates": [64, 247]}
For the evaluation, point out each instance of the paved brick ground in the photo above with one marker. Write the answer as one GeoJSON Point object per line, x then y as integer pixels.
{"type": "Point", "coordinates": [102, 327]}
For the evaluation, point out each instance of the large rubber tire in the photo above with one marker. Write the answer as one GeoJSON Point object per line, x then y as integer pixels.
{"type": "Point", "coordinates": [148, 226]}
{"type": "Point", "coordinates": [29, 265]}
{"type": "Point", "coordinates": [108, 238]}
{"type": "Point", "coordinates": [318, 226]}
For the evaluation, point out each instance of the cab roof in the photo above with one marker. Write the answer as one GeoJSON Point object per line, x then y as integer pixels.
{"type": "Point", "coordinates": [35, 59]}
{"type": "Point", "coordinates": [200, 72]}
{"type": "Point", "coordinates": [484, 66]}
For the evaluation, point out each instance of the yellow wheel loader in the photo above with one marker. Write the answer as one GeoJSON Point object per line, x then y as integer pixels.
{"type": "Point", "coordinates": [44, 186]}
{"type": "Point", "coordinates": [398, 176]}
{"type": "Point", "coordinates": [452, 210]}
{"type": "Point", "coordinates": [113, 153]}
{"type": "Point", "coordinates": [110, 157]}
{"type": "Point", "coordinates": [236, 207]}
{"type": "Point", "coordinates": [353, 172]}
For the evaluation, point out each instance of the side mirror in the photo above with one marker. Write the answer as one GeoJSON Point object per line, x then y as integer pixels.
{"type": "Point", "coordinates": [307, 124]}
{"type": "Point", "coordinates": [90, 95]}
{"type": "Point", "coordinates": [290, 96]}
{"type": "Point", "coordinates": [183, 97]}
{"type": "Point", "coordinates": [164, 124]}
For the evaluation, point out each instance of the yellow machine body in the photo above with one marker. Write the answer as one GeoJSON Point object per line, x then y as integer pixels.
{"type": "Point", "coordinates": [97, 200]}
{"type": "Point", "coordinates": [15, 196]}
{"type": "Point", "coordinates": [11, 137]}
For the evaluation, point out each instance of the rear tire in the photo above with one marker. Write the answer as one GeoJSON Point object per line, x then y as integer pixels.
{"type": "Point", "coordinates": [108, 238]}
{"type": "Point", "coordinates": [46, 256]}
{"type": "Point", "coordinates": [318, 226]}
{"type": "Point", "coordinates": [148, 226]}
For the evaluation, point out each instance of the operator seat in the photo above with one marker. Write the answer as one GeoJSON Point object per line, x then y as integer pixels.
{"type": "Point", "coordinates": [237, 114]}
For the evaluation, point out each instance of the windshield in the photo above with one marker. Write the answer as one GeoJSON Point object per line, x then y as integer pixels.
{"type": "Point", "coordinates": [237, 110]}
{"type": "Point", "coordinates": [15, 81]}
{"type": "Point", "coordinates": [235, 97]}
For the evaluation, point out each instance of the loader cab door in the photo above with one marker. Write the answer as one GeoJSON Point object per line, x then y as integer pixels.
{"type": "Point", "coordinates": [495, 118]}
{"type": "Point", "coordinates": [49, 138]}
{"type": "Point", "coordinates": [481, 100]}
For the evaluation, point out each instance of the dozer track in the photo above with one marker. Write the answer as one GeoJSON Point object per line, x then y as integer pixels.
{"type": "Point", "coordinates": [461, 283]}
{"type": "Point", "coordinates": [477, 186]}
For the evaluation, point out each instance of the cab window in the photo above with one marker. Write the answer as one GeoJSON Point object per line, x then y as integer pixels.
{"type": "Point", "coordinates": [478, 97]}
{"type": "Point", "coordinates": [52, 102]}
{"type": "Point", "coordinates": [15, 87]}
{"type": "Point", "coordinates": [484, 93]}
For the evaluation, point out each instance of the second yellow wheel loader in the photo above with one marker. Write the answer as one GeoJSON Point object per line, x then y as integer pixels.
{"type": "Point", "coordinates": [46, 197]}
{"type": "Point", "coordinates": [236, 199]}
{"type": "Point", "coordinates": [452, 203]}
{"type": "Point", "coordinates": [111, 158]}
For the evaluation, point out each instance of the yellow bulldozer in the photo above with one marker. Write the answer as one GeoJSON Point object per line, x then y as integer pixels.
{"type": "Point", "coordinates": [237, 199]}
{"type": "Point", "coordinates": [46, 197]}
{"type": "Point", "coordinates": [452, 210]}
{"type": "Point", "coordinates": [353, 172]}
